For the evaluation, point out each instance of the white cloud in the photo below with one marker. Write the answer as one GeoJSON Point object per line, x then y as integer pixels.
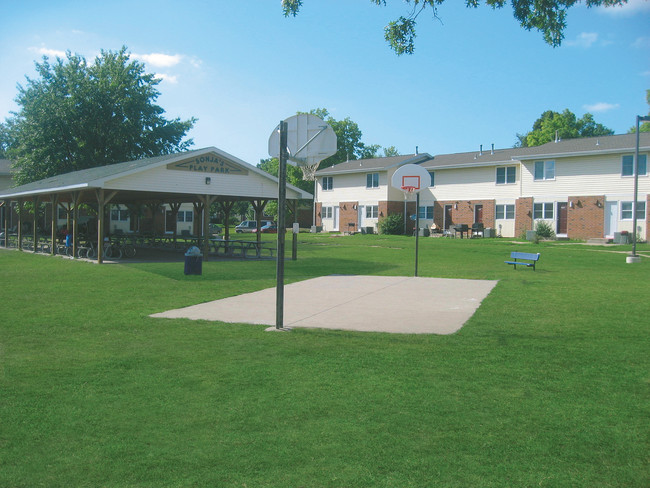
{"type": "Point", "coordinates": [630, 8]}
{"type": "Point", "coordinates": [53, 53]}
{"type": "Point", "coordinates": [585, 39]}
{"type": "Point", "coordinates": [168, 78]}
{"type": "Point", "coordinates": [159, 60]}
{"type": "Point", "coordinates": [601, 107]}
{"type": "Point", "coordinates": [641, 43]}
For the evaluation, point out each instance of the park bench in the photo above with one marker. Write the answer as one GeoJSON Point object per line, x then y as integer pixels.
{"type": "Point", "coordinates": [529, 259]}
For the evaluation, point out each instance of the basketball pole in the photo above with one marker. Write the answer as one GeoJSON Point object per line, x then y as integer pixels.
{"type": "Point", "coordinates": [282, 198]}
{"type": "Point", "coordinates": [417, 229]}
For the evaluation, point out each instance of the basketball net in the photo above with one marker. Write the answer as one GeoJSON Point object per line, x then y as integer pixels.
{"type": "Point", "coordinates": [408, 191]}
{"type": "Point", "coordinates": [309, 171]}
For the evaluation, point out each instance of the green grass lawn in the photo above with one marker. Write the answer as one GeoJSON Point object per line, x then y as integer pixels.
{"type": "Point", "coordinates": [545, 386]}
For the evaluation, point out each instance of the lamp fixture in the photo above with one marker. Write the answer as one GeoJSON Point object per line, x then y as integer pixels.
{"type": "Point", "coordinates": [208, 180]}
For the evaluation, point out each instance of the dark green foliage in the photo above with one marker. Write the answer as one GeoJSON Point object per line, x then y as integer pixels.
{"type": "Point", "coordinates": [544, 230]}
{"type": "Point", "coordinates": [551, 125]}
{"type": "Point", "coordinates": [548, 17]}
{"type": "Point", "coordinates": [75, 116]}
{"type": "Point", "coordinates": [393, 224]}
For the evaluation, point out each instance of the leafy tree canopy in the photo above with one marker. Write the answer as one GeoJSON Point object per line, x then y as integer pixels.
{"type": "Point", "coordinates": [76, 115]}
{"type": "Point", "coordinates": [565, 125]}
{"type": "Point", "coordinates": [546, 16]}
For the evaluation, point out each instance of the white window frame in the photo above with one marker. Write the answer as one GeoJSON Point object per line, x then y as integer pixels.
{"type": "Point", "coordinates": [547, 211]}
{"type": "Point", "coordinates": [372, 211]}
{"type": "Point", "coordinates": [328, 183]}
{"type": "Point", "coordinates": [507, 211]}
{"type": "Point", "coordinates": [122, 215]}
{"type": "Point", "coordinates": [506, 172]}
{"type": "Point", "coordinates": [432, 183]}
{"type": "Point", "coordinates": [326, 212]}
{"type": "Point", "coordinates": [372, 180]}
{"type": "Point", "coordinates": [643, 165]}
{"type": "Point", "coordinates": [627, 210]}
{"type": "Point", "coordinates": [547, 170]}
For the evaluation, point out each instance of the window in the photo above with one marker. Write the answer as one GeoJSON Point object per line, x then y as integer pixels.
{"type": "Point", "coordinates": [506, 174]}
{"type": "Point", "coordinates": [185, 216]}
{"type": "Point", "coordinates": [119, 215]}
{"type": "Point", "coordinates": [372, 180]}
{"type": "Point", "coordinates": [544, 170]}
{"type": "Point", "coordinates": [328, 183]}
{"type": "Point", "coordinates": [326, 212]}
{"type": "Point", "coordinates": [627, 209]}
{"type": "Point", "coordinates": [372, 211]}
{"type": "Point", "coordinates": [425, 212]}
{"type": "Point", "coordinates": [505, 212]}
{"type": "Point", "coordinates": [62, 213]}
{"type": "Point", "coordinates": [628, 165]}
{"type": "Point", "coordinates": [543, 211]}
{"type": "Point", "coordinates": [433, 178]}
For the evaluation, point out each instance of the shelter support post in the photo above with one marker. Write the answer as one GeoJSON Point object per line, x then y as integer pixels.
{"type": "Point", "coordinates": [259, 206]}
{"type": "Point", "coordinates": [4, 207]}
{"type": "Point", "coordinates": [175, 207]}
{"type": "Point", "coordinates": [54, 200]}
{"type": "Point", "coordinates": [76, 200]}
{"type": "Point", "coordinates": [102, 201]}
{"type": "Point", "coordinates": [227, 208]}
{"type": "Point", "coordinates": [206, 203]}
{"type": "Point", "coordinates": [20, 225]}
{"type": "Point", "coordinates": [35, 224]}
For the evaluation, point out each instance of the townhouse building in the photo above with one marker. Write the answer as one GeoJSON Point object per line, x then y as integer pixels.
{"type": "Point", "coordinates": [582, 187]}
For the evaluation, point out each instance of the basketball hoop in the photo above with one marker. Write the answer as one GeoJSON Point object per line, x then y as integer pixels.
{"type": "Point", "coordinates": [408, 191]}
{"type": "Point", "coordinates": [309, 171]}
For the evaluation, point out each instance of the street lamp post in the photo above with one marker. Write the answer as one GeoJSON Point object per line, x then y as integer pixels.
{"type": "Point", "coordinates": [639, 119]}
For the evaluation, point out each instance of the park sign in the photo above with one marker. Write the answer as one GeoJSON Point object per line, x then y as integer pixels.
{"type": "Point", "coordinates": [208, 164]}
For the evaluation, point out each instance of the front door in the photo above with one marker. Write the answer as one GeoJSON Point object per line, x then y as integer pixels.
{"type": "Point", "coordinates": [478, 214]}
{"type": "Point", "coordinates": [611, 219]}
{"type": "Point", "coordinates": [562, 219]}
{"type": "Point", "coordinates": [448, 220]}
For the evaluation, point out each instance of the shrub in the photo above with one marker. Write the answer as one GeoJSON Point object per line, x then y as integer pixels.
{"type": "Point", "coordinates": [392, 224]}
{"type": "Point", "coordinates": [544, 230]}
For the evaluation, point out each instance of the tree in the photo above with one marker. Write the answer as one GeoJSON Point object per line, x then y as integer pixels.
{"type": "Point", "coordinates": [4, 141]}
{"type": "Point", "coordinates": [75, 116]}
{"type": "Point", "coordinates": [546, 16]}
{"type": "Point", "coordinates": [563, 125]}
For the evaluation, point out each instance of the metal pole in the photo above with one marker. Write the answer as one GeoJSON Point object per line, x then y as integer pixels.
{"type": "Point", "coordinates": [417, 230]}
{"type": "Point", "coordinates": [639, 119]}
{"type": "Point", "coordinates": [636, 186]}
{"type": "Point", "coordinates": [282, 197]}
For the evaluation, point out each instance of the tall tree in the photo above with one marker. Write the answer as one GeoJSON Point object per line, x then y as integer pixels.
{"type": "Point", "coordinates": [546, 16]}
{"type": "Point", "coordinates": [563, 125]}
{"type": "Point", "coordinates": [75, 116]}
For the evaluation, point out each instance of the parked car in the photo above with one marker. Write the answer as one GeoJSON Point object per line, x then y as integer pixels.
{"type": "Point", "coordinates": [269, 229]}
{"type": "Point", "coordinates": [250, 226]}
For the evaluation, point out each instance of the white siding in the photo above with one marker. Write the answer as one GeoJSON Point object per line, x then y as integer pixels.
{"type": "Point", "coordinates": [592, 175]}
{"type": "Point", "coordinates": [352, 188]}
{"type": "Point", "coordinates": [478, 183]}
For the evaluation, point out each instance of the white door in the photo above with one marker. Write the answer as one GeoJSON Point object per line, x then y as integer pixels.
{"type": "Point", "coordinates": [335, 217]}
{"type": "Point", "coordinates": [611, 219]}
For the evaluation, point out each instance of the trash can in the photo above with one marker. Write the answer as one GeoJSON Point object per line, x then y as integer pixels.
{"type": "Point", "coordinates": [193, 261]}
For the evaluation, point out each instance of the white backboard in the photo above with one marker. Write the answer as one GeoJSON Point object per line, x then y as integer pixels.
{"type": "Point", "coordinates": [411, 175]}
{"type": "Point", "coordinates": [309, 140]}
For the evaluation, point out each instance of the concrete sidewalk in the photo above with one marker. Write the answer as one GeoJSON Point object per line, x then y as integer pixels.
{"type": "Point", "coordinates": [362, 303]}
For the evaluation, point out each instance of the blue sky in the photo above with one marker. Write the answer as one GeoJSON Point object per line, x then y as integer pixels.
{"type": "Point", "coordinates": [240, 66]}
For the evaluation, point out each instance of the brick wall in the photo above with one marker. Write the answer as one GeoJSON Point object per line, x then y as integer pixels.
{"type": "Point", "coordinates": [523, 215]}
{"type": "Point", "coordinates": [348, 213]}
{"type": "Point", "coordinates": [587, 217]}
{"type": "Point", "coordinates": [319, 219]}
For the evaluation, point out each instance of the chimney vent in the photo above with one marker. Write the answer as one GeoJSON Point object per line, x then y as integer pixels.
{"type": "Point", "coordinates": [492, 152]}
{"type": "Point", "coordinates": [480, 153]}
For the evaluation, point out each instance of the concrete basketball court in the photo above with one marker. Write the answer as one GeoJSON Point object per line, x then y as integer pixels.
{"type": "Point", "coordinates": [360, 303]}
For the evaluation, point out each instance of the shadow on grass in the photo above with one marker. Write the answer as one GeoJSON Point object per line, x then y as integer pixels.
{"type": "Point", "coordinates": [238, 270]}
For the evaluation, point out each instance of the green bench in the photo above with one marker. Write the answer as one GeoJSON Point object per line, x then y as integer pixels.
{"type": "Point", "coordinates": [528, 259]}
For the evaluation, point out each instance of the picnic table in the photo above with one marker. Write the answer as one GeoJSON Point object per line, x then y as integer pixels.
{"type": "Point", "coordinates": [241, 248]}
